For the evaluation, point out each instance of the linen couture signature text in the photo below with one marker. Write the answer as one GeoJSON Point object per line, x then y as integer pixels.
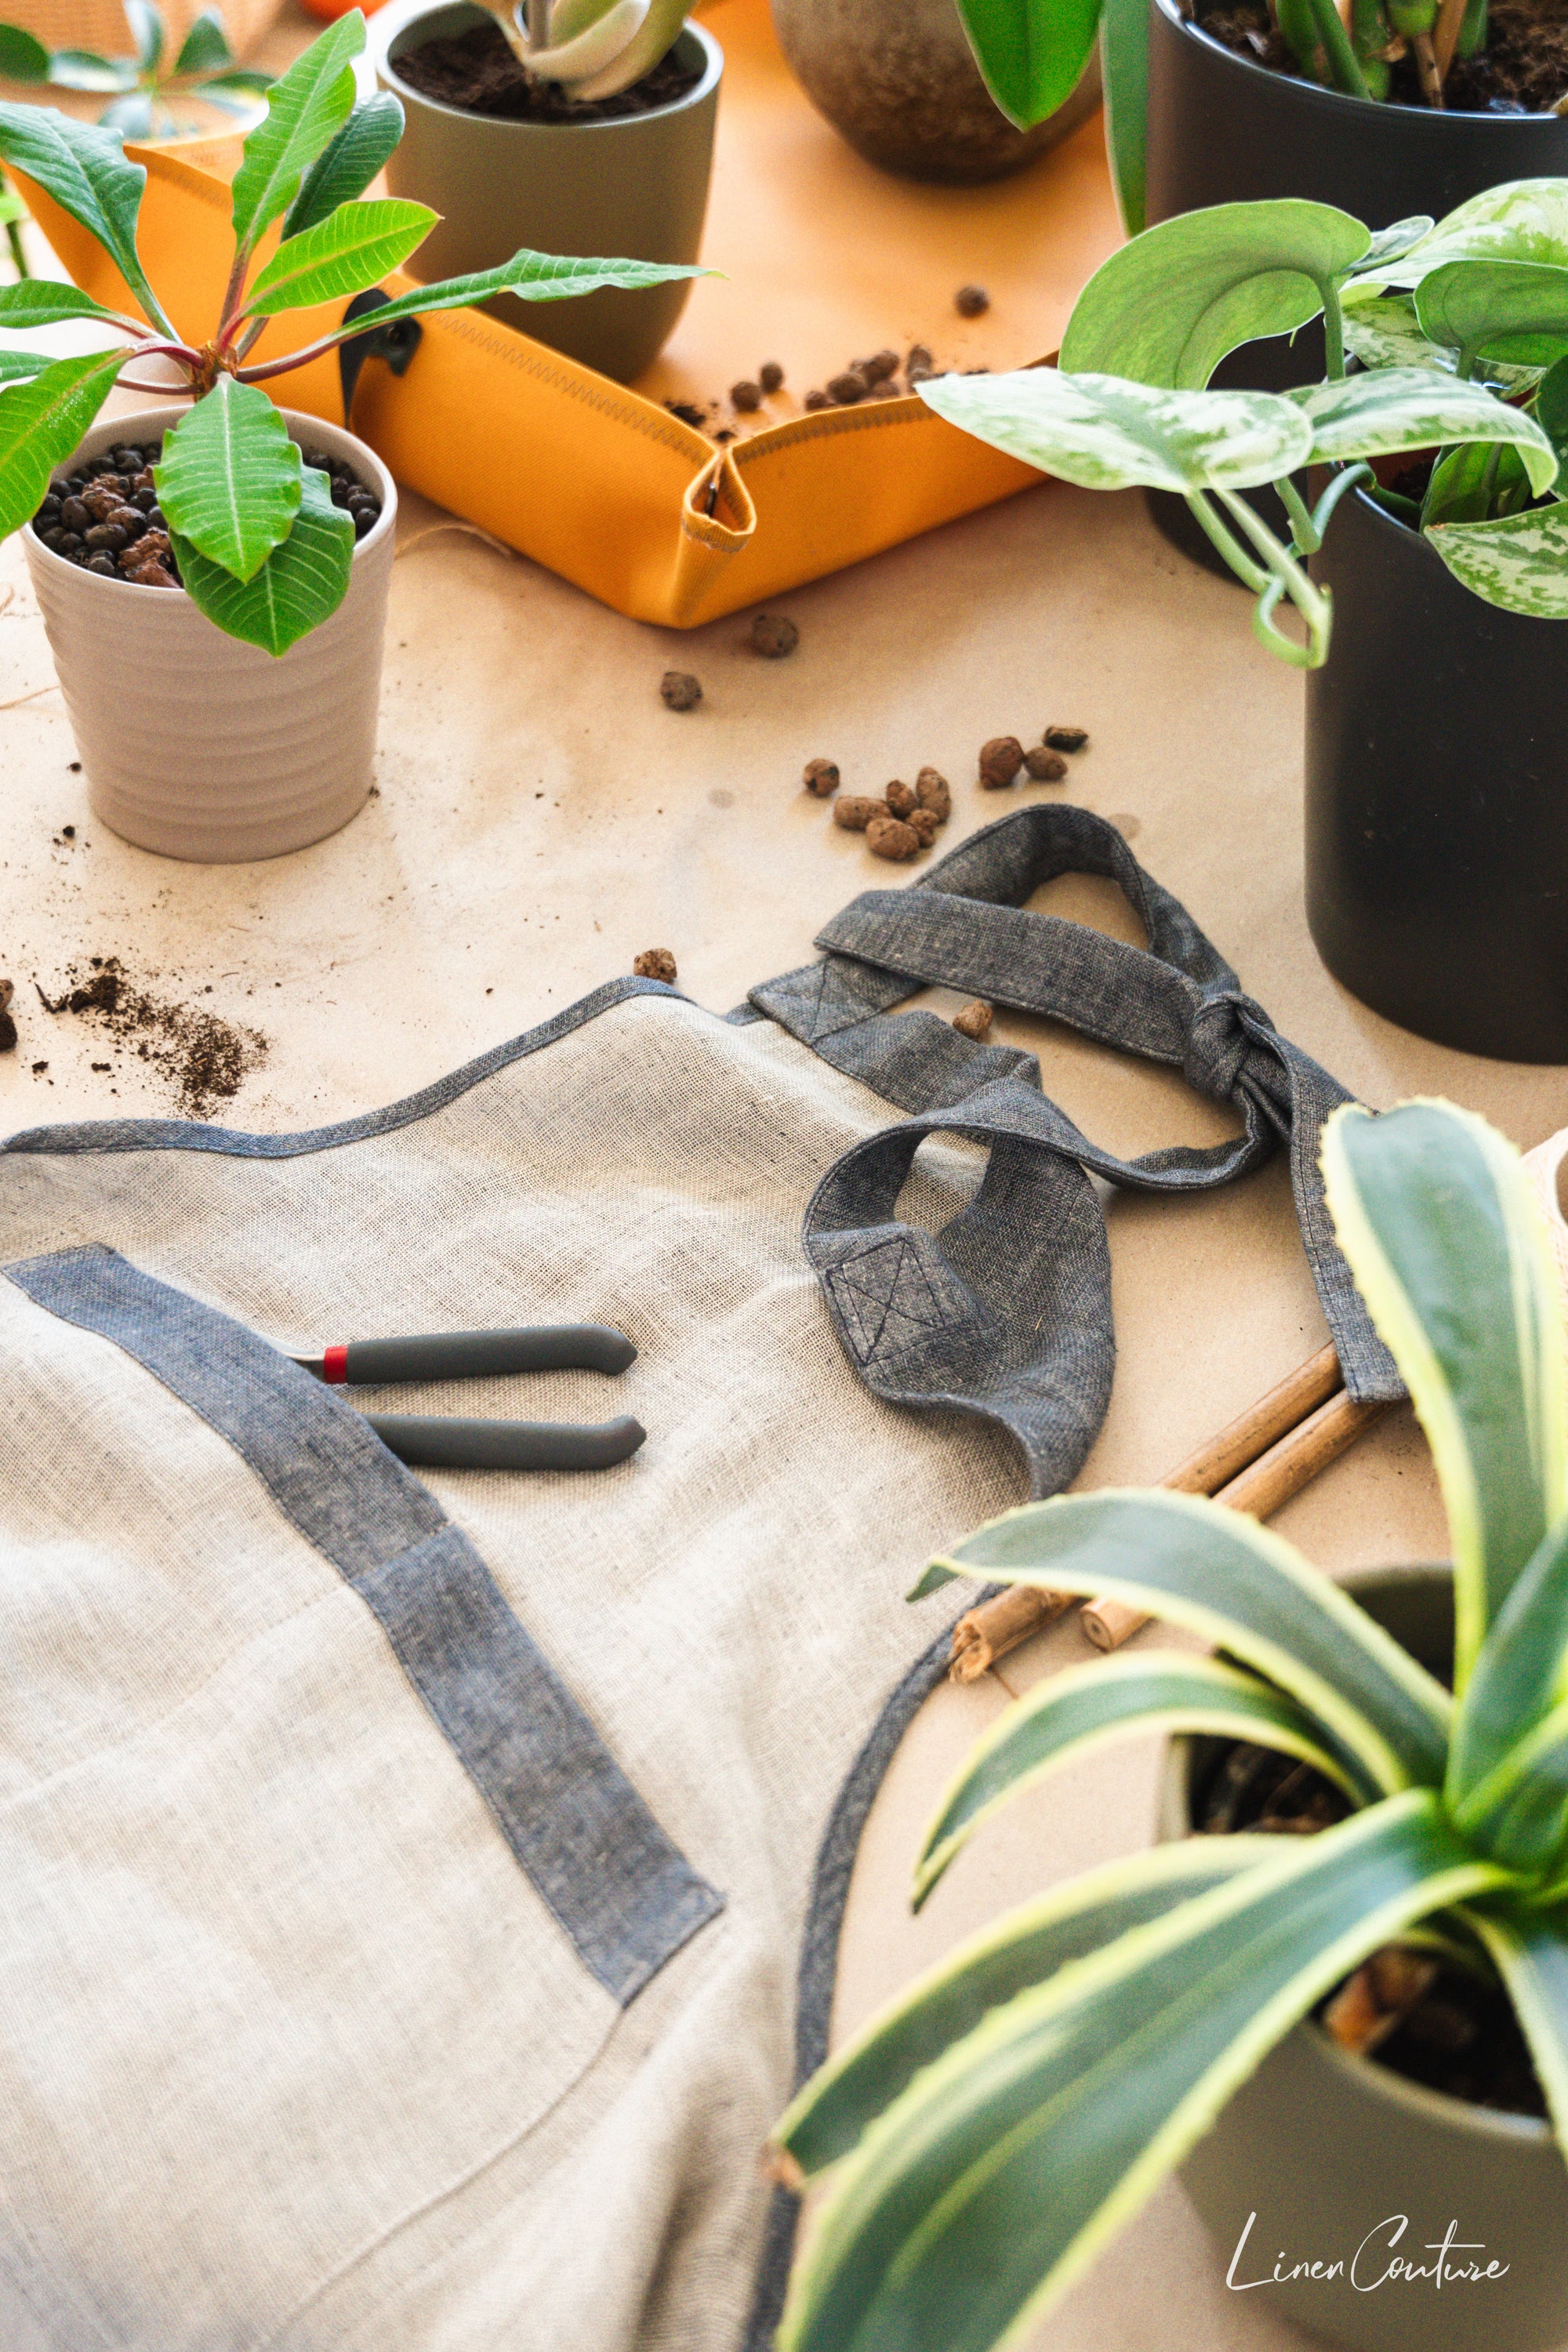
{"type": "Point", "coordinates": [1385, 2257]}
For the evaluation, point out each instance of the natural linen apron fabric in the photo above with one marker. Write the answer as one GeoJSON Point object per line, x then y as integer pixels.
{"type": "Point", "coordinates": [402, 1879]}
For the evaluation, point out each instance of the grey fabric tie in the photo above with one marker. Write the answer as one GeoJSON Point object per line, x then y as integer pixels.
{"type": "Point", "coordinates": [1006, 1312]}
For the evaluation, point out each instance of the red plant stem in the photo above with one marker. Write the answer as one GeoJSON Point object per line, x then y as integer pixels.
{"type": "Point", "coordinates": [299, 358]}
{"type": "Point", "coordinates": [233, 296]}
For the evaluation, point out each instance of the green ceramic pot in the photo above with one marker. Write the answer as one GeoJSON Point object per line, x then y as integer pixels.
{"type": "Point", "coordinates": [1327, 2150]}
{"type": "Point", "coordinates": [636, 185]}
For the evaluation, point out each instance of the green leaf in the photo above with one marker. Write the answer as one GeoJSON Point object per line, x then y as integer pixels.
{"type": "Point", "coordinates": [205, 46]}
{"type": "Point", "coordinates": [1436, 1216]}
{"type": "Point", "coordinates": [22, 56]}
{"type": "Point", "coordinates": [41, 422]}
{"type": "Point", "coordinates": [1474, 481]}
{"type": "Point", "coordinates": [617, 46]}
{"type": "Point", "coordinates": [305, 108]}
{"type": "Point", "coordinates": [346, 168]}
{"type": "Point", "coordinates": [1167, 307]}
{"type": "Point", "coordinates": [1108, 1698]}
{"type": "Point", "coordinates": [948, 2001]}
{"type": "Point", "coordinates": [85, 70]}
{"type": "Point", "coordinates": [229, 480]}
{"type": "Point", "coordinates": [532, 278]}
{"type": "Point", "coordinates": [146, 31]}
{"type": "Point", "coordinates": [1386, 333]}
{"type": "Point", "coordinates": [86, 173]}
{"type": "Point", "coordinates": [996, 2178]}
{"type": "Point", "coordinates": [130, 116]}
{"type": "Point", "coordinates": [1516, 310]}
{"type": "Point", "coordinates": [354, 247]}
{"type": "Point", "coordinates": [44, 302]}
{"type": "Point", "coordinates": [1389, 244]}
{"type": "Point", "coordinates": [1520, 1675]}
{"type": "Point", "coordinates": [18, 364]}
{"type": "Point", "coordinates": [1031, 59]}
{"type": "Point", "coordinates": [1519, 1812]}
{"type": "Point", "coordinates": [1106, 434]}
{"type": "Point", "coordinates": [1522, 220]}
{"type": "Point", "coordinates": [1411, 408]}
{"type": "Point", "coordinates": [1529, 1951]}
{"type": "Point", "coordinates": [1552, 410]}
{"type": "Point", "coordinates": [1124, 56]}
{"type": "Point", "coordinates": [1519, 563]}
{"type": "Point", "coordinates": [300, 584]}
{"type": "Point", "coordinates": [1220, 1574]}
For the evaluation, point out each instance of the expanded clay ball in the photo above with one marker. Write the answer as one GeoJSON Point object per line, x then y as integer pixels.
{"type": "Point", "coordinates": [922, 824]}
{"type": "Point", "coordinates": [879, 367]}
{"type": "Point", "coordinates": [7, 1026]}
{"type": "Point", "coordinates": [972, 301]}
{"type": "Point", "coordinates": [933, 792]}
{"type": "Point", "coordinates": [654, 963]}
{"type": "Point", "coordinates": [680, 690]}
{"type": "Point", "coordinates": [1046, 767]}
{"type": "Point", "coordinates": [855, 812]}
{"type": "Point", "coordinates": [818, 400]}
{"type": "Point", "coordinates": [886, 836]}
{"type": "Point", "coordinates": [771, 377]}
{"type": "Point", "coordinates": [1067, 739]}
{"type": "Point", "coordinates": [900, 798]}
{"type": "Point", "coordinates": [848, 388]}
{"type": "Point", "coordinates": [745, 395]}
{"type": "Point", "coordinates": [974, 1021]}
{"type": "Point", "coordinates": [773, 637]}
{"type": "Point", "coordinates": [821, 777]}
{"type": "Point", "coordinates": [1000, 761]}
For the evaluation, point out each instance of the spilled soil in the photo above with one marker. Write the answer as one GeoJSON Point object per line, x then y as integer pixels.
{"type": "Point", "coordinates": [202, 1058]}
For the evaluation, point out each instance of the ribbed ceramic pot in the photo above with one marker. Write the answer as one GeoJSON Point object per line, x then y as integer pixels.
{"type": "Point", "coordinates": [1326, 2151]}
{"type": "Point", "coordinates": [635, 184]}
{"type": "Point", "coordinates": [898, 79]}
{"type": "Point", "coordinates": [197, 745]}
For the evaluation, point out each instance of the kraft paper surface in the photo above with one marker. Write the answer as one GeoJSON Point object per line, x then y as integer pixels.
{"type": "Point", "coordinates": [541, 818]}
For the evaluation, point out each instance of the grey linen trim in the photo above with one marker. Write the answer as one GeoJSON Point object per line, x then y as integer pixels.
{"type": "Point", "coordinates": [618, 1888]}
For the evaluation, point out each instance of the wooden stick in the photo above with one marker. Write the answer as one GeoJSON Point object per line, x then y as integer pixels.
{"type": "Point", "coordinates": [987, 1633]}
{"type": "Point", "coordinates": [1260, 1490]}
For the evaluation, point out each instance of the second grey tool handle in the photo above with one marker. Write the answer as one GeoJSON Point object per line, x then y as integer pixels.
{"type": "Point", "coordinates": [435, 1442]}
{"type": "Point", "coordinates": [468, 1355]}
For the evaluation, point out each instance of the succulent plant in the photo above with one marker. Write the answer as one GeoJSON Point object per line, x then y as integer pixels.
{"type": "Point", "coordinates": [145, 89]}
{"type": "Point", "coordinates": [591, 48]}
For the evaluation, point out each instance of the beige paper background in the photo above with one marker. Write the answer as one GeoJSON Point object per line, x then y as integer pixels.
{"type": "Point", "coordinates": [540, 817]}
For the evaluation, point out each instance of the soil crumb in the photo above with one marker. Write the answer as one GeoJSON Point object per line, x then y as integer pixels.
{"type": "Point", "coordinates": [201, 1058]}
{"type": "Point", "coordinates": [477, 72]}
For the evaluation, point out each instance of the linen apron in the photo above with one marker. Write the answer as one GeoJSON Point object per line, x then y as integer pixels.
{"type": "Point", "coordinates": [402, 1879]}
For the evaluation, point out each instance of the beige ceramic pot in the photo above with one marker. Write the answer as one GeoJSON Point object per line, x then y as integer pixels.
{"type": "Point", "coordinates": [197, 745]}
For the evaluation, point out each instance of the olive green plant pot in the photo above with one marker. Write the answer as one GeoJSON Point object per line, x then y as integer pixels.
{"type": "Point", "coordinates": [1329, 2152]}
{"type": "Point", "coordinates": [897, 79]}
{"type": "Point", "coordinates": [635, 186]}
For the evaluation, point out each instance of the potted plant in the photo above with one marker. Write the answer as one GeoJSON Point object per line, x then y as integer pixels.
{"type": "Point", "coordinates": [583, 127]}
{"type": "Point", "coordinates": [922, 86]}
{"type": "Point", "coordinates": [151, 95]}
{"type": "Point", "coordinates": [1443, 905]}
{"type": "Point", "coordinates": [189, 559]}
{"type": "Point", "coordinates": [987, 2133]}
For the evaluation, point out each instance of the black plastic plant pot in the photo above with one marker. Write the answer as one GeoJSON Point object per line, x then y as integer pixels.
{"type": "Point", "coordinates": [1323, 2158]}
{"type": "Point", "coordinates": [1438, 798]}
{"type": "Point", "coordinates": [1223, 130]}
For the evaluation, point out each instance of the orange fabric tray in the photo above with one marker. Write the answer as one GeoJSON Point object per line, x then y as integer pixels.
{"type": "Point", "coordinates": [824, 259]}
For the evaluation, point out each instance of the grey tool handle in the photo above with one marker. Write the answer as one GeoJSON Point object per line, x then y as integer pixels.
{"type": "Point", "coordinates": [433, 1441]}
{"type": "Point", "coordinates": [465, 1355]}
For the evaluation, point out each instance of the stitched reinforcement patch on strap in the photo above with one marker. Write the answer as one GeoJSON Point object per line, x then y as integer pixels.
{"type": "Point", "coordinates": [622, 1893]}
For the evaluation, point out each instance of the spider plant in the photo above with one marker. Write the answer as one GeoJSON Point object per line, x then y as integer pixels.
{"type": "Point", "coordinates": [146, 88]}
{"type": "Point", "coordinates": [990, 2130]}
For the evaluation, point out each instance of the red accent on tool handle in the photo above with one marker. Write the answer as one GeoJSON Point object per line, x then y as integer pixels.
{"type": "Point", "coordinates": [336, 1365]}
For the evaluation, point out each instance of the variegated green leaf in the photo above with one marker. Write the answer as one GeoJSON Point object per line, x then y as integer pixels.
{"type": "Point", "coordinates": [305, 108]}
{"type": "Point", "coordinates": [205, 46]}
{"type": "Point", "coordinates": [1241, 1587]}
{"type": "Point", "coordinates": [1386, 333]}
{"type": "Point", "coordinates": [1518, 1813]}
{"type": "Point", "coordinates": [1106, 433]}
{"type": "Point", "coordinates": [999, 2174]}
{"type": "Point", "coordinates": [346, 168]}
{"type": "Point", "coordinates": [1515, 310]}
{"type": "Point", "coordinates": [147, 31]}
{"type": "Point", "coordinates": [1529, 1950]}
{"type": "Point", "coordinates": [298, 586]}
{"type": "Point", "coordinates": [1166, 309]}
{"type": "Point", "coordinates": [1519, 562]}
{"type": "Point", "coordinates": [1411, 408]}
{"type": "Point", "coordinates": [41, 422]}
{"type": "Point", "coordinates": [86, 173]}
{"type": "Point", "coordinates": [1520, 220]}
{"type": "Point", "coordinates": [85, 70]}
{"type": "Point", "coordinates": [1389, 244]}
{"type": "Point", "coordinates": [354, 247]}
{"type": "Point", "coordinates": [636, 34]}
{"type": "Point", "coordinates": [1436, 1216]}
{"type": "Point", "coordinates": [1521, 1674]}
{"type": "Point", "coordinates": [1105, 1699]}
{"type": "Point", "coordinates": [988, 1970]}
{"type": "Point", "coordinates": [229, 480]}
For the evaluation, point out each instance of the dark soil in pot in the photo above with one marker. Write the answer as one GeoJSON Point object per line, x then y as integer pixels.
{"type": "Point", "coordinates": [476, 71]}
{"type": "Point", "coordinates": [1522, 69]}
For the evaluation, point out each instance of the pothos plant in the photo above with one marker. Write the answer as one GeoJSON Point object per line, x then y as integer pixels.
{"type": "Point", "coordinates": [592, 48]}
{"type": "Point", "coordinates": [262, 550]}
{"type": "Point", "coordinates": [989, 2131]}
{"type": "Point", "coordinates": [145, 90]}
{"type": "Point", "coordinates": [1458, 337]}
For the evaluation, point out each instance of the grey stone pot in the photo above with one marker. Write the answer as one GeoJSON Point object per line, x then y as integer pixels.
{"type": "Point", "coordinates": [898, 79]}
{"type": "Point", "coordinates": [1327, 2149]}
{"type": "Point", "coordinates": [635, 186]}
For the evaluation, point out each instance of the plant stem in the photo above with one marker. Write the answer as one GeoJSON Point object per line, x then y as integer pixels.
{"type": "Point", "coordinates": [1334, 331]}
{"type": "Point", "coordinates": [1324, 513]}
{"type": "Point", "coordinates": [1427, 68]}
{"type": "Point", "coordinates": [1343, 63]}
{"type": "Point", "coordinates": [234, 295]}
{"type": "Point", "coordinates": [1286, 579]}
{"type": "Point", "coordinates": [1445, 35]}
{"type": "Point", "coordinates": [1308, 539]}
{"type": "Point", "coordinates": [1251, 575]}
{"type": "Point", "coordinates": [1488, 479]}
